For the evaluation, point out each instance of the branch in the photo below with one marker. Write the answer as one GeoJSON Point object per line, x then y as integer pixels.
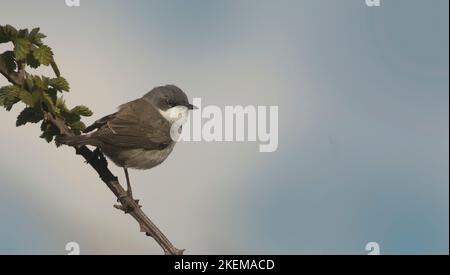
{"type": "Point", "coordinates": [12, 76]}
{"type": "Point", "coordinates": [128, 204]}
{"type": "Point", "coordinates": [97, 161]}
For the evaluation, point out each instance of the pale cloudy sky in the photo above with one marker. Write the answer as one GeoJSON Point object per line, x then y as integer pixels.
{"type": "Point", "coordinates": [363, 127]}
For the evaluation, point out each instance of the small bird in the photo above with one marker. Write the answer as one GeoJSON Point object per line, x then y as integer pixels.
{"type": "Point", "coordinates": [138, 135]}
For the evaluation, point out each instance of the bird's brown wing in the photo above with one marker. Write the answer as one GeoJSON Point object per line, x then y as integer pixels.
{"type": "Point", "coordinates": [99, 123]}
{"type": "Point", "coordinates": [137, 124]}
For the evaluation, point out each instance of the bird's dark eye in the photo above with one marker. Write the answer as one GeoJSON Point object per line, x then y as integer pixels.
{"type": "Point", "coordinates": [169, 103]}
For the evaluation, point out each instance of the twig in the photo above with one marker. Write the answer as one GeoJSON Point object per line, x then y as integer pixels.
{"type": "Point", "coordinates": [97, 161]}
{"type": "Point", "coordinates": [12, 76]}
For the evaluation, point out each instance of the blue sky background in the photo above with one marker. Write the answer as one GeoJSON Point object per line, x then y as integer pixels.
{"type": "Point", "coordinates": [363, 127]}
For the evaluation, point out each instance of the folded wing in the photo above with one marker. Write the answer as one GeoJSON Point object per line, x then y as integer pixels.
{"type": "Point", "coordinates": [137, 124]}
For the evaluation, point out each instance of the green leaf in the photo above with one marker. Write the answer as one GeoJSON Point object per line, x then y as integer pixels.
{"type": "Point", "coordinates": [23, 33]}
{"type": "Point", "coordinates": [40, 83]}
{"type": "Point", "coordinates": [49, 131]}
{"type": "Point", "coordinates": [34, 32]}
{"type": "Point", "coordinates": [36, 37]}
{"type": "Point", "coordinates": [43, 54]}
{"type": "Point", "coordinates": [36, 97]}
{"type": "Point", "coordinates": [22, 47]}
{"type": "Point", "coordinates": [77, 127]}
{"type": "Point", "coordinates": [48, 101]}
{"type": "Point", "coordinates": [7, 33]}
{"type": "Point", "coordinates": [10, 90]}
{"type": "Point", "coordinates": [29, 115]}
{"type": "Point", "coordinates": [69, 117]}
{"type": "Point", "coordinates": [3, 96]}
{"type": "Point", "coordinates": [26, 97]}
{"type": "Point", "coordinates": [9, 103]}
{"type": "Point", "coordinates": [37, 40]}
{"type": "Point", "coordinates": [45, 126]}
{"type": "Point", "coordinates": [9, 95]}
{"type": "Point", "coordinates": [61, 104]}
{"type": "Point", "coordinates": [59, 83]}
{"type": "Point", "coordinates": [48, 136]}
{"type": "Point", "coordinates": [53, 94]}
{"type": "Point", "coordinates": [82, 111]}
{"type": "Point", "coordinates": [31, 61]}
{"type": "Point", "coordinates": [8, 58]}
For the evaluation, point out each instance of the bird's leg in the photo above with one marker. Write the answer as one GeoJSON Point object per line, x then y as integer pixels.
{"type": "Point", "coordinates": [129, 191]}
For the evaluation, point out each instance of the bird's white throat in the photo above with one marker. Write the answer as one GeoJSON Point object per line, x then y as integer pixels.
{"type": "Point", "coordinates": [175, 113]}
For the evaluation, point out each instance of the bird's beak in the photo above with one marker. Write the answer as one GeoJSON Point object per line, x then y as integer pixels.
{"type": "Point", "coordinates": [191, 107]}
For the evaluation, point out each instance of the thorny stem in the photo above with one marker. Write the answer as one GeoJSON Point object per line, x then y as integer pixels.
{"type": "Point", "coordinates": [97, 161]}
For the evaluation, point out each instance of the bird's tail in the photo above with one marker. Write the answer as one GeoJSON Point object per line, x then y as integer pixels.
{"type": "Point", "coordinates": [76, 140]}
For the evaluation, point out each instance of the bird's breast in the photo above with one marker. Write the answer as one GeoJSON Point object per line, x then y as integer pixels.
{"type": "Point", "coordinates": [140, 158]}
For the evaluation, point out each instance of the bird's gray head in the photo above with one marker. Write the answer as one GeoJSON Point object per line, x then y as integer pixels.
{"type": "Point", "coordinates": [170, 100]}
